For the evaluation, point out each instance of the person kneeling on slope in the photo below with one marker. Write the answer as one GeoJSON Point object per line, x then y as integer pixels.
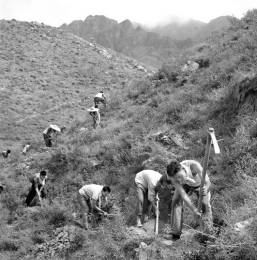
{"type": "Point", "coordinates": [91, 198]}
{"type": "Point", "coordinates": [94, 112]}
{"type": "Point", "coordinates": [37, 190]}
{"type": "Point", "coordinates": [48, 134]}
{"type": "Point", "coordinates": [186, 177]}
{"type": "Point", "coordinates": [6, 153]}
{"type": "Point", "coordinates": [100, 98]}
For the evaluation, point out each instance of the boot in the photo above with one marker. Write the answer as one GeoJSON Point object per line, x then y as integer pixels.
{"type": "Point", "coordinates": [139, 224]}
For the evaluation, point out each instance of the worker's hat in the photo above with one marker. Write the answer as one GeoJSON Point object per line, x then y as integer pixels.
{"type": "Point", "coordinates": [55, 128]}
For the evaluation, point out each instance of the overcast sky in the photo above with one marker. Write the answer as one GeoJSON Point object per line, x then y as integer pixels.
{"type": "Point", "coordinates": [147, 12]}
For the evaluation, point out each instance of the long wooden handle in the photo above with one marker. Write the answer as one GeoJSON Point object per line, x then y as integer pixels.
{"type": "Point", "coordinates": [205, 165]}
{"type": "Point", "coordinates": [157, 215]}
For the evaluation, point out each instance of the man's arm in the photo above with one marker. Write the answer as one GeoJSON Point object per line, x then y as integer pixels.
{"type": "Point", "coordinates": [98, 114]}
{"type": "Point", "coordinates": [38, 191]}
{"type": "Point", "coordinates": [186, 198]}
{"type": "Point", "coordinates": [94, 206]}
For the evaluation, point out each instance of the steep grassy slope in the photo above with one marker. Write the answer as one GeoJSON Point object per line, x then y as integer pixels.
{"type": "Point", "coordinates": [221, 93]}
{"type": "Point", "coordinates": [51, 76]}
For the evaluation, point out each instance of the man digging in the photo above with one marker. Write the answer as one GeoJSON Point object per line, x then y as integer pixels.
{"type": "Point", "coordinates": [186, 177]}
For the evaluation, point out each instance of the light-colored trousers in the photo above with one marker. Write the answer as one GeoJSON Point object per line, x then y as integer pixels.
{"type": "Point", "coordinates": [177, 212]}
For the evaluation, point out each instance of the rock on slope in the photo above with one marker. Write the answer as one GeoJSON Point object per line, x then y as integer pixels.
{"type": "Point", "coordinates": [48, 75]}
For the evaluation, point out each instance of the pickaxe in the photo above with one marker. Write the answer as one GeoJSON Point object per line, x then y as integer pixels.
{"type": "Point", "coordinates": [211, 139]}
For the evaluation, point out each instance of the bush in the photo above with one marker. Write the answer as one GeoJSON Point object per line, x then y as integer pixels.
{"type": "Point", "coordinates": [37, 237]}
{"type": "Point", "coordinates": [8, 245]}
{"type": "Point", "coordinates": [139, 88]}
{"type": "Point", "coordinates": [58, 217]}
{"type": "Point", "coordinates": [77, 242]}
{"type": "Point", "coordinates": [57, 165]}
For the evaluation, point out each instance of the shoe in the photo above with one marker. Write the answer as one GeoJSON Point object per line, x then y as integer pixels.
{"type": "Point", "coordinates": [175, 237]}
{"type": "Point", "coordinates": [139, 224]}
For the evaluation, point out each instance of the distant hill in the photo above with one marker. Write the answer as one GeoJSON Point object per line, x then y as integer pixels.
{"type": "Point", "coordinates": [180, 31]}
{"type": "Point", "coordinates": [192, 29]}
{"type": "Point", "coordinates": [214, 25]}
{"type": "Point", "coordinates": [130, 39]}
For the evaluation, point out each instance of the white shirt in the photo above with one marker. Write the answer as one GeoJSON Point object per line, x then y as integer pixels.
{"type": "Point", "coordinates": [93, 191]}
{"type": "Point", "coordinates": [193, 180]}
{"type": "Point", "coordinates": [148, 179]}
{"type": "Point", "coordinates": [100, 95]}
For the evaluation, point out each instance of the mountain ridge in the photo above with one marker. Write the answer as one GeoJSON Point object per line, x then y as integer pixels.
{"type": "Point", "coordinates": [125, 37]}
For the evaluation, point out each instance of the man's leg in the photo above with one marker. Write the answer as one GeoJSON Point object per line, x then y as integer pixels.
{"type": "Point", "coordinates": [95, 122]}
{"type": "Point", "coordinates": [176, 215]}
{"type": "Point", "coordinates": [84, 210]}
{"type": "Point", "coordinates": [207, 213]}
{"type": "Point", "coordinates": [140, 196]}
{"type": "Point", "coordinates": [48, 141]}
{"type": "Point", "coordinates": [31, 195]}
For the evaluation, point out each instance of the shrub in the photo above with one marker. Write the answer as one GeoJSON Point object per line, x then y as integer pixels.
{"type": "Point", "coordinates": [139, 88]}
{"type": "Point", "coordinates": [57, 165]}
{"type": "Point", "coordinates": [8, 245]}
{"type": "Point", "coordinates": [58, 217]}
{"type": "Point", "coordinates": [77, 242]}
{"type": "Point", "coordinates": [37, 237]}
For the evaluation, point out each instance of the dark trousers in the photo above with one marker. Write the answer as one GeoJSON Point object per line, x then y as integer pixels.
{"type": "Point", "coordinates": [48, 140]}
{"type": "Point", "coordinates": [31, 197]}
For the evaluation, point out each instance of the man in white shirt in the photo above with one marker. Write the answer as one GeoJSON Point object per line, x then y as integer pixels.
{"type": "Point", "coordinates": [100, 98]}
{"type": "Point", "coordinates": [91, 198]}
{"type": "Point", "coordinates": [146, 181]}
{"type": "Point", "coordinates": [186, 177]}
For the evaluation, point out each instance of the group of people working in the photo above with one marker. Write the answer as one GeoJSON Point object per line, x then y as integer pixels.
{"type": "Point", "coordinates": [184, 177]}
{"type": "Point", "coordinates": [94, 111]}
{"type": "Point", "coordinates": [52, 130]}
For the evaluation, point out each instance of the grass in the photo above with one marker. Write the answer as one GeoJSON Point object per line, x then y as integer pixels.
{"type": "Point", "coordinates": [114, 153]}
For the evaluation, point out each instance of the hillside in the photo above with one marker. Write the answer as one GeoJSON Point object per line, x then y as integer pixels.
{"type": "Point", "coordinates": [124, 37]}
{"type": "Point", "coordinates": [178, 102]}
{"type": "Point", "coordinates": [50, 75]}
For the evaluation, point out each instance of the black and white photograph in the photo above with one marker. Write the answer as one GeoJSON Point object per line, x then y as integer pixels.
{"type": "Point", "coordinates": [128, 130]}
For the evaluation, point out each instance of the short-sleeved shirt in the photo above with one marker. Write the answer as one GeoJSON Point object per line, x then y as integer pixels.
{"type": "Point", "coordinates": [100, 95]}
{"type": "Point", "coordinates": [192, 179]}
{"type": "Point", "coordinates": [91, 191]}
{"type": "Point", "coordinates": [148, 179]}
